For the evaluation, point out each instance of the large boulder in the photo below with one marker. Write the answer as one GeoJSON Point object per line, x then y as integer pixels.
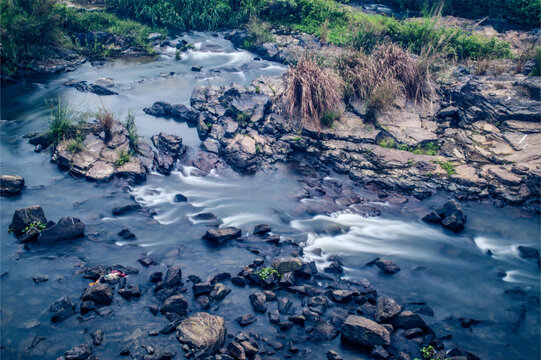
{"type": "Point", "coordinates": [241, 154]}
{"type": "Point", "coordinates": [365, 332]}
{"type": "Point", "coordinates": [180, 112]}
{"type": "Point", "coordinates": [386, 309]}
{"type": "Point", "coordinates": [173, 277]}
{"type": "Point", "coordinates": [11, 184]}
{"type": "Point", "coordinates": [450, 215]}
{"type": "Point", "coordinates": [26, 217]}
{"type": "Point", "coordinates": [169, 150]}
{"type": "Point", "coordinates": [203, 333]}
{"type": "Point", "coordinates": [83, 86]}
{"type": "Point", "coordinates": [221, 235]}
{"type": "Point", "coordinates": [67, 228]}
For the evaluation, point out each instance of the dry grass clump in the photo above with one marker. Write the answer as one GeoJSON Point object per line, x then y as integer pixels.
{"type": "Point", "coordinates": [312, 91]}
{"type": "Point", "coordinates": [390, 64]}
{"type": "Point", "coordinates": [106, 120]}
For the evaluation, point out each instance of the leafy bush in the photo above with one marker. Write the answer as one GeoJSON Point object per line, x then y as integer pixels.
{"type": "Point", "coordinates": [264, 273]}
{"type": "Point", "coordinates": [258, 33]}
{"type": "Point", "coordinates": [311, 91]}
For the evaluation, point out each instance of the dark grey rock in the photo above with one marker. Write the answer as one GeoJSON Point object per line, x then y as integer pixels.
{"type": "Point", "coordinates": [23, 218]}
{"type": "Point", "coordinates": [387, 266]}
{"type": "Point", "coordinates": [11, 184]}
{"type": "Point", "coordinates": [100, 294]}
{"type": "Point", "coordinates": [221, 235]}
{"type": "Point", "coordinates": [258, 301]}
{"type": "Point", "coordinates": [67, 228]}
{"type": "Point", "coordinates": [173, 277]}
{"type": "Point", "coordinates": [386, 309]}
{"type": "Point", "coordinates": [365, 332]}
{"type": "Point", "coordinates": [176, 304]}
{"type": "Point", "coordinates": [202, 333]}
{"type": "Point", "coordinates": [245, 319]}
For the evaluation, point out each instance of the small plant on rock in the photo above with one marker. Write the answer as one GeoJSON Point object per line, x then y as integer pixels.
{"type": "Point", "coordinates": [265, 272]}
{"type": "Point", "coordinates": [106, 122]}
{"type": "Point", "coordinates": [123, 157]}
{"type": "Point", "coordinates": [35, 225]}
{"type": "Point", "coordinates": [76, 145]}
{"type": "Point", "coordinates": [133, 137]}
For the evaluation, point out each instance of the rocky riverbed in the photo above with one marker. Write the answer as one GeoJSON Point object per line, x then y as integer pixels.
{"type": "Point", "coordinates": [319, 251]}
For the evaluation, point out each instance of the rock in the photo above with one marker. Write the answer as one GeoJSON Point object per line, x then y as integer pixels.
{"type": "Point", "coordinates": [81, 352]}
{"type": "Point", "coordinates": [154, 36]}
{"type": "Point", "coordinates": [236, 350]}
{"type": "Point", "coordinates": [130, 292]}
{"type": "Point", "coordinates": [297, 319]}
{"type": "Point", "coordinates": [413, 333]}
{"type": "Point", "coordinates": [451, 214]}
{"type": "Point", "coordinates": [333, 355]}
{"type": "Point", "coordinates": [100, 294]}
{"type": "Point", "coordinates": [321, 331]}
{"type": "Point", "coordinates": [274, 316]}
{"type": "Point", "coordinates": [379, 353]}
{"type": "Point", "coordinates": [238, 280]}
{"type": "Point", "coordinates": [408, 320]}
{"type": "Point", "coordinates": [386, 309]}
{"type": "Point", "coordinates": [97, 337]}
{"type": "Point", "coordinates": [179, 112]}
{"type": "Point", "coordinates": [83, 86]}
{"type": "Point", "coordinates": [126, 234]}
{"type": "Point", "coordinates": [221, 235]}
{"type": "Point", "coordinates": [261, 229]}
{"type": "Point", "coordinates": [67, 228]}
{"type": "Point", "coordinates": [286, 265]}
{"type": "Point", "coordinates": [202, 288]}
{"type": "Point", "coordinates": [204, 302]}
{"type": "Point", "coordinates": [146, 261]}
{"type": "Point", "coordinates": [176, 304]}
{"type": "Point", "coordinates": [11, 184]}
{"type": "Point", "coordinates": [126, 209]}
{"type": "Point", "coordinates": [432, 217]}
{"type": "Point", "coordinates": [245, 319]}
{"type": "Point", "coordinates": [196, 68]}
{"type": "Point", "coordinates": [156, 277]}
{"type": "Point", "coordinates": [219, 292]}
{"type": "Point", "coordinates": [526, 252]}
{"type": "Point", "coordinates": [173, 277]}
{"type": "Point", "coordinates": [25, 217]}
{"type": "Point", "coordinates": [334, 268]}
{"type": "Point", "coordinates": [241, 154]}
{"type": "Point", "coordinates": [202, 333]}
{"type": "Point", "coordinates": [365, 332]}
{"type": "Point", "coordinates": [168, 144]}
{"type": "Point", "coordinates": [258, 301]}
{"type": "Point", "coordinates": [87, 306]}
{"type": "Point", "coordinates": [387, 266]}
{"type": "Point", "coordinates": [343, 296]}
{"type": "Point", "coordinates": [180, 198]}
{"type": "Point", "coordinates": [40, 278]}
{"type": "Point", "coordinates": [62, 309]}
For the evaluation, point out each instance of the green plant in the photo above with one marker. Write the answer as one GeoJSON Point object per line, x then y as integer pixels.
{"type": "Point", "coordinates": [76, 145]}
{"type": "Point", "coordinates": [123, 157]}
{"type": "Point", "coordinates": [387, 143]}
{"type": "Point", "coordinates": [448, 166]}
{"type": "Point", "coordinates": [537, 67]}
{"type": "Point", "coordinates": [177, 54]}
{"type": "Point", "coordinates": [296, 138]}
{"type": "Point", "coordinates": [35, 225]}
{"type": "Point", "coordinates": [243, 117]}
{"type": "Point", "coordinates": [257, 89]}
{"type": "Point", "coordinates": [328, 118]}
{"type": "Point", "coordinates": [133, 136]}
{"type": "Point", "coordinates": [429, 353]}
{"type": "Point", "coordinates": [257, 149]}
{"type": "Point", "coordinates": [265, 272]}
{"type": "Point", "coordinates": [62, 118]}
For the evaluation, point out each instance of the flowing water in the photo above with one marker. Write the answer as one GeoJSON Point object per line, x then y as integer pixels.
{"type": "Point", "coordinates": [452, 274]}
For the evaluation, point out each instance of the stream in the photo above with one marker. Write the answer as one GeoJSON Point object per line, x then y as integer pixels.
{"type": "Point", "coordinates": [452, 274]}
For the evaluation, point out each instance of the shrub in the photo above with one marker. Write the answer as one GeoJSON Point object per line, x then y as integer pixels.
{"type": "Point", "coordinates": [106, 121]}
{"type": "Point", "coordinates": [312, 90]}
{"type": "Point", "coordinates": [76, 145]}
{"type": "Point", "coordinates": [259, 32]}
{"type": "Point", "coordinates": [264, 273]}
{"type": "Point", "coordinates": [381, 97]}
{"type": "Point", "coordinates": [62, 119]}
{"type": "Point", "coordinates": [133, 137]}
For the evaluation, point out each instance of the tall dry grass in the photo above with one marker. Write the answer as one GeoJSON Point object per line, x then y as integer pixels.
{"type": "Point", "coordinates": [312, 91]}
{"type": "Point", "coordinates": [106, 121]}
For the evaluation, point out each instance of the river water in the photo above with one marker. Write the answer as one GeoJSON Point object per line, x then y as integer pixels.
{"type": "Point", "coordinates": [451, 273]}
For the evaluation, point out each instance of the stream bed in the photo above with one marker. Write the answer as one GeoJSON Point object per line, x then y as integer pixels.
{"type": "Point", "coordinates": [452, 274]}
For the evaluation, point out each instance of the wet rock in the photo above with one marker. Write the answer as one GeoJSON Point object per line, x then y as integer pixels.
{"type": "Point", "coordinates": [219, 292]}
{"type": "Point", "coordinates": [526, 252]}
{"type": "Point", "coordinates": [322, 330]}
{"type": "Point", "coordinates": [126, 209]}
{"type": "Point", "coordinates": [125, 352]}
{"type": "Point", "coordinates": [169, 150]}
{"type": "Point", "coordinates": [467, 322]}
{"type": "Point", "coordinates": [221, 235]}
{"type": "Point", "coordinates": [176, 304]}
{"type": "Point", "coordinates": [220, 277]}
{"type": "Point", "coordinates": [165, 355]}
{"type": "Point", "coordinates": [450, 215]}
{"type": "Point", "coordinates": [241, 154]}
{"type": "Point", "coordinates": [100, 294]}
{"type": "Point", "coordinates": [180, 198]}
{"type": "Point", "coordinates": [288, 279]}
{"type": "Point", "coordinates": [203, 333]}
{"type": "Point", "coordinates": [146, 260]}
{"type": "Point", "coordinates": [81, 352]}
{"type": "Point", "coordinates": [274, 316]}
{"type": "Point", "coordinates": [238, 280]}
{"type": "Point", "coordinates": [130, 292]}
{"type": "Point", "coordinates": [67, 228]}
{"type": "Point", "coordinates": [343, 296]}
{"type": "Point", "coordinates": [258, 301]}
{"type": "Point", "coordinates": [365, 332]}
{"type": "Point", "coordinates": [83, 86]}
{"type": "Point", "coordinates": [307, 270]}
{"type": "Point", "coordinates": [126, 234]}
{"type": "Point", "coordinates": [87, 306]}
{"type": "Point", "coordinates": [297, 319]}
{"type": "Point", "coordinates": [40, 278]}
{"type": "Point", "coordinates": [333, 355]}
{"type": "Point", "coordinates": [236, 350]}
{"type": "Point", "coordinates": [387, 266]}
{"type": "Point", "coordinates": [412, 333]}
{"type": "Point", "coordinates": [62, 309]}
{"type": "Point", "coordinates": [196, 68]}
{"type": "Point", "coordinates": [203, 302]}
{"type": "Point", "coordinates": [286, 265]}
{"type": "Point", "coordinates": [386, 309]}
{"type": "Point", "coordinates": [97, 337]}
{"type": "Point", "coordinates": [261, 229]}
{"type": "Point", "coordinates": [284, 304]}
{"type": "Point", "coordinates": [23, 218]}
{"type": "Point", "coordinates": [11, 184]}
{"type": "Point", "coordinates": [173, 277]}
{"type": "Point", "coordinates": [156, 277]}
{"type": "Point", "coordinates": [408, 320]}
{"type": "Point", "coordinates": [379, 353]}
{"type": "Point", "coordinates": [245, 319]}
{"type": "Point", "coordinates": [334, 268]}
{"type": "Point", "coordinates": [179, 112]}
{"type": "Point", "coordinates": [202, 288]}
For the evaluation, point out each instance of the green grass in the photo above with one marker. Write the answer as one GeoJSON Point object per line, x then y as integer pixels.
{"type": "Point", "coordinates": [431, 148]}
{"type": "Point", "coordinates": [387, 143]}
{"type": "Point", "coordinates": [448, 166]}
{"type": "Point", "coordinates": [124, 157]}
{"type": "Point", "coordinates": [328, 118]}
{"type": "Point", "coordinates": [537, 68]}
{"type": "Point", "coordinates": [76, 145]}
{"type": "Point", "coordinates": [62, 120]}
{"type": "Point", "coordinates": [133, 136]}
